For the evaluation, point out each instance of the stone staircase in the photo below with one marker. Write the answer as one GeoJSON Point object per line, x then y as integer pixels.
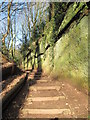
{"type": "Point", "coordinates": [45, 100]}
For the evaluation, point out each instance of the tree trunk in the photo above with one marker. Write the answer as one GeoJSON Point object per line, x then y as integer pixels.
{"type": "Point", "coordinates": [14, 33]}
{"type": "Point", "coordinates": [51, 10]}
{"type": "Point", "coordinates": [8, 21]}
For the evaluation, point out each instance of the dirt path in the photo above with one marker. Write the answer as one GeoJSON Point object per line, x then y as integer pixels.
{"type": "Point", "coordinates": [42, 97]}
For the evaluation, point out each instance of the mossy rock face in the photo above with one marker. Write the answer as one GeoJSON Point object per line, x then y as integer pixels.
{"type": "Point", "coordinates": [70, 54]}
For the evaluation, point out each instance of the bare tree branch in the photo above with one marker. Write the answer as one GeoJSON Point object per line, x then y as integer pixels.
{"type": "Point", "coordinates": [8, 19]}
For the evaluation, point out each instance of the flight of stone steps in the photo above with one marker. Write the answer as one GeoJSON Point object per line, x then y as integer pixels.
{"type": "Point", "coordinates": [45, 99]}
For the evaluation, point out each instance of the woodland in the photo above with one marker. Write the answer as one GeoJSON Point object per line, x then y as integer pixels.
{"type": "Point", "coordinates": [51, 36]}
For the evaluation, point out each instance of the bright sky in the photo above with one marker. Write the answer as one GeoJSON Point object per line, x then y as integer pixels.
{"type": "Point", "coordinates": [20, 19]}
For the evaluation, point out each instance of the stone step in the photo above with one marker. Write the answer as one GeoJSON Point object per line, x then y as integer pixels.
{"type": "Point", "coordinates": [45, 98]}
{"type": "Point", "coordinates": [36, 77]}
{"type": "Point", "coordinates": [43, 81]}
{"type": "Point", "coordinates": [45, 111]}
{"type": "Point", "coordinates": [45, 93]}
{"type": "Point", "coordinates": [50, 104]}
{"type": "Point", "coordinates": [36, 88]}
{"type": "Point", "coordinates": [40, 81]}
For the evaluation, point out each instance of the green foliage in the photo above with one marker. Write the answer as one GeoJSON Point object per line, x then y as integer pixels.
{"type": "Point", "coordinates": [59, 13]}
{"type": "Point", "coordinates": [72, 11]}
